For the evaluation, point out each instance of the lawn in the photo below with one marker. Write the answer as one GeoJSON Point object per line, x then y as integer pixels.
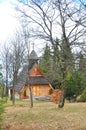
{"type": "Point", "coordinates": [44, 116]}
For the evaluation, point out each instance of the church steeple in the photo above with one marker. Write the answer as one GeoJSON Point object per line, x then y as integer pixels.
{"type": "Point", "coordinates": [33, 55]}
{"type": "Point", "coordinates": [33, 58]}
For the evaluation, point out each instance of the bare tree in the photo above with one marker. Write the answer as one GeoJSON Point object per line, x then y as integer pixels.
{"type": "Point", "coordinates": [16, 59]}
{"type": "Point", "coordinates": [51, 19]}
{"type": "Point", "coordinates": [5, 54]}
{"type": "Point", "coordinates": [27, 45]}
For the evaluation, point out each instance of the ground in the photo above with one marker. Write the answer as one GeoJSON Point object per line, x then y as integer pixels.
{"type": "Point", "coordinates": [44, 116]}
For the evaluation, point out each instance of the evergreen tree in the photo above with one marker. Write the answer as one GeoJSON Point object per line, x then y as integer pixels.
{"type": "Point", "coordinates": [82, 66]}
{"type": "Point", "coordinates": [66, 56]}
{"type": "Point", "coordinates": [74, 85]}
{"type": "Point", "coordinates": [56, 71]}
{"type": "Point", "coordinates": [45, 63]}
{"type": "Point", "coordinates": [0, 72]}
{"type": "Point", "coordinates": [66, 65]}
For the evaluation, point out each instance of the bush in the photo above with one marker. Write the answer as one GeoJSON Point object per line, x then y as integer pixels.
{"type": "Point", "coordinates": [50, 91]}
{"type": "Point", "coordinates": [56, 96]}
{"type": "Point", "coordinates": [1, 110]}
{"type": "Point", "coordinates": [56, 84]}
{"type": "Point", "coordinates": [83, 96]}
{"type": "Point", "coordinates": [74, 85]}
{"type": "Point", "coordinates": [25, 92]}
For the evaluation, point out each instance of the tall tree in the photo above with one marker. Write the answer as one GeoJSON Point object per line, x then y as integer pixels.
{"type": "Point", "coordinates": [13, 58]}
{"type": "Point", "coordinates": [74, 85]}
{"type": "Point", "coordinates": [1, 72]}
{"type": "Point", "coordinates": [17, 58]}
{"type": "Point", "coordinates": [46, 63]}
{"type": "Point", "coordinates": [26, 37]}
{"type": "Point", "coordinates": [6, 64]}
{"type": "Point", "coordinates": [1, 83]}
{"type": "Point", "coordinates": [51, 18]}
{"type": "Point", "coordinates": [82, 66]}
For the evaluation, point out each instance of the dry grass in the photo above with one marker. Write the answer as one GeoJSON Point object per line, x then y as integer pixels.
{"type": "Point", "coordinates": [44, 116]}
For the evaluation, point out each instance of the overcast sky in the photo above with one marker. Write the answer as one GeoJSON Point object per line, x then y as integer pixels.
{"type": "Point", "coordinates": [8, 22]}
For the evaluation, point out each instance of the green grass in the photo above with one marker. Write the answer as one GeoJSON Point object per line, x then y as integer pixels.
{"type": "Point", "coordinates": [2, 101]}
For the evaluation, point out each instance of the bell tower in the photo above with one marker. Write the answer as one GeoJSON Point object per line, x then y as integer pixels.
{"type": "Point", "coordinates": [33, 58]}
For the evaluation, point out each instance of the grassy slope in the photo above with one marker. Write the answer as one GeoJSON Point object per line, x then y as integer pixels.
{"type": "Point", "coordinates": [1, 110]}
{"type": "Point", "coordinates": [44, 116]}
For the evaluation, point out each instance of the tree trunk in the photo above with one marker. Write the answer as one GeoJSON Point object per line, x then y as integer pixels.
{"type": "Point", "coordinates": [13, 98]}
{"type": "Point", "coordinates": [62, 101]}
{"type": "Point", "coordinates": [2, 95]}
{"type": "Point", "coordinates": [31, 97]}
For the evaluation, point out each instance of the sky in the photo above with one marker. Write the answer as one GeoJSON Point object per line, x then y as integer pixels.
{"type": "Point", "coordinates": [9, 24]}
{"type": "Point", "coordinates": [7, 20]}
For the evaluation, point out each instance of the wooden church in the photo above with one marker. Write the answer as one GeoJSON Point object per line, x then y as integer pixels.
{"type": "Point", "coordinates": [32, 77]}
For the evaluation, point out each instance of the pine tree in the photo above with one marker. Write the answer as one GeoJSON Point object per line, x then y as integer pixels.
{"type": "Point", "coordinates": [45, 63]}
{"type": "Point", "coordinates": [82, 66]}
{"type": "Point", "coordinates": [66, 65]}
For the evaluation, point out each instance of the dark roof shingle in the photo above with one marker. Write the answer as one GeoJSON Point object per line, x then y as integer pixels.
{"type": "Point", "coordinates": [33, 55]}
{"type": "Point", "coordinates": [22, 79]}
{"type": "Point", "coordinates": [38, 80]}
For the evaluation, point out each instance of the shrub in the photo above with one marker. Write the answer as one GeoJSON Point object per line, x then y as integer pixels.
{"type": "Point", "coordinates": [1, 111]}
{"type": "Point", "coordinates": [25, 92]}
{"type": "Point", "coordinates": [83, 96]}
{"type": "Point", "coordinates": [74, 85]}
{"type": "Point", "coordinates": [56, 96]}
{"type": "Point", "coordinates": [50, 91]}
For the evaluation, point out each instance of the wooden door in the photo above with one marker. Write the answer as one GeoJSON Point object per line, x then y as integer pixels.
{"type": "Point", "coordinates": [38, 90]}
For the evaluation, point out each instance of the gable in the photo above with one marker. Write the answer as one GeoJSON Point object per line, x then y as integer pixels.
{"type": "Point", "coordinates": [35, 71]}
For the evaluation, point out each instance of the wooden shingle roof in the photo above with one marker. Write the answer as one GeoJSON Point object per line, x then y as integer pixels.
{"type": "Point", "coordinates": [33, 55]}
{"type": "Point", "coordinates": [21, 79]}
{"type": "Point", "coordinates": [38, 80]}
